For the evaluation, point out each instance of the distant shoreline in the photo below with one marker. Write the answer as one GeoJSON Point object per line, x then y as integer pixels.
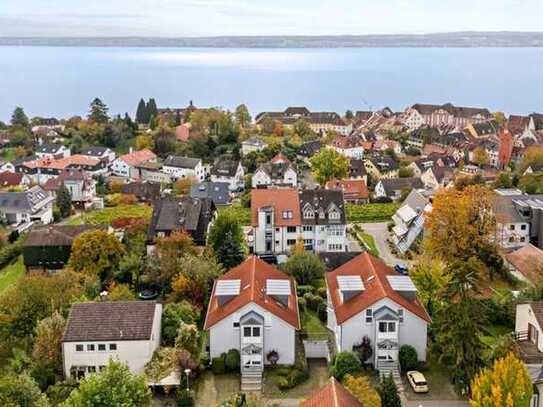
{"type": "Point", "coordinates": [442, 40]}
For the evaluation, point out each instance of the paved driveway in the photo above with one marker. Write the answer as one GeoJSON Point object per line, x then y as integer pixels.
{"type": "Point", "coordinates": [380, 234]}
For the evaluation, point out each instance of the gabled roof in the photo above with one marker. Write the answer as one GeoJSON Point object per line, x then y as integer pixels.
{"type": "Point", "coordinates": [225, 167]}
{"type": "Point", "coordinates": [528, 261]}
{"type": "Point", "coordinates": [377, 287]}
{"type": "Point", "coordinates": [280, 200]}
{"type": "Point", "coordinates": [321, 200]}
{"type": "Point", "coordinates": [10, 179]}
{"type": "Point", "coordinates": [138, 157]}
{"type": "Point", "coordinates": [332, 394]}
{"type": "Point", "coordinates": [181, 162]}
{"type": "Point", "coordinates": [390, 185]}
{"type": "Point", "coordinates": [218, 192]}
{"type": "Point", "coordinates": [49, 148]}
{"type": "Point", "coordinates": [57, 235]}
{"type": "Point", "coordinates": [110, 321]}
{"type": "Point", "coordinates": [352, 188]}
{"type": "Point", "coordinates": [24, 202]}
{"type": "Point", "coordinates": [95, 151]}
{"type": "Point", "coordinates": [253, 274]}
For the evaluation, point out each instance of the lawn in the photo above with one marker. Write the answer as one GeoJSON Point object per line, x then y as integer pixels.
{"type": "Point", "coordinates": [493, 333]}
{"type": "Point", "coordinates": [212, 389]}
{"type": "Point", "coordinates": [318, 376]}
{"type": "Point", "coordinates": [313, 326]}
{"type": "Point", "coordinates": [107, 215]}
{"type": "Point", "coordinates": [439, 382]}
{"type": "Point", "coordinates": [369, 242]}
{"type": "Point", "coordinates": [11, 273]}
{"type": "Point", "coordinates": [373, 212]}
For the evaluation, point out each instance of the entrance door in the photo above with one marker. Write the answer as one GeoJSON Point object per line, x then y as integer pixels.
{"type": "Point", "coordinates": [533, 335]}
{"type": "Point", "coordinates": [251, 346]}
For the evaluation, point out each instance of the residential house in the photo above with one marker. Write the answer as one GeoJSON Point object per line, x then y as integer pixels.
{"type": "Point", "coordinates": [48, 248]}
{"type": "Point", "coordinates": [393, 188]}
{"type": "Point", "coordinates": [80, 184]}
{"type": "Point", "coordinates": [254, 309]}
{"type": "Point", "coordinates": [517, 124]}
{"type": "Point", "coordinates": [332, 394]}
{"type": "Point", "coordinates": [380, 167]}
{"type": "Point", "coordinates": [182, 167]}
{"type": "Point", "coordinates": [309, 148]}
{"type": "Point", "coordinates": [151, 171]}
{"type": "Point", "coordinates": [218, 192]}
{"type": "Point", "coordinates": [387, 144]}
{"type": "Point", "coordinates": [486, 129]}
{"type": "Point", "coordinates": [13, 179]}
{"type": "Point", "coordinates": [418, 167]}
{"type": "Point", "coordinates": [357, 170]}
{"type": "Point", "coordinates": [97, 332]}
{"type": "Point", "coordinates": [367, 298]}
{"type": "Point", "coordinates": [125, 165]}
{"type": "Point", "coordinates": [529, 340]}
{"type": "Point", "coordinates": [191, 215]}
{"type": "Point", "coordinates": [6, 166]}
{"type": "Point", "coordinates": [534, 168]}
{"type": "Point", "coordinates": [435, 115]}
{"type": "Point", "coordinates": [230, 171]}
{"type": "Point", "coordinates": [518, 218]}
{"type": "Point", "coordinates": [252, 144]}
{"type": "Point", "coordinates": [421, 136]}
{"type": "Point", "coordinates": [143, 191]}
{"type": "Point", "coordinates": [278, 172]}
{"type": "Point", "coordinates": [437, 177]}
{"type": "Point", "coordinates": [21, 209]}
{"type": "Point", "coordinates": [526, 264]}
{"type": "Point", "coordinates": [104, 154]}
{"type": "Point", "coordinates": [409, 220]}
{"type": "Point", "coordinates": [52, 151]}
{"type": "Point", "coordinates": [349, 146]}
{"type": "Point", "coordinates": [354, 190]}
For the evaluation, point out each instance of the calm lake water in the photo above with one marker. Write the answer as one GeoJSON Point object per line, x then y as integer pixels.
{"type": "Point", "coordinates": [62, 81]}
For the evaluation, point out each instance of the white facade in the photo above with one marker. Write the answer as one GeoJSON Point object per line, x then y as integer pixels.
{"type": "Point", "coordinates": [236, 183]}
{"type": "Point", "coordinates": [261, 177]}
{"type": "Point", "coordinates": [62, 152]}
{"type": "Point", "coordinates": [120, 168]}
{"type": "Point", "coordinates": [513, 235]}
{"type": "Point", "coordinates": [89, 357]}
{"type": "Point", "coordinates": [414, 119]}
{"type": "Point", "coordinates": [351, 152]}
{"type": "Point", "coordinates": [178, 172]}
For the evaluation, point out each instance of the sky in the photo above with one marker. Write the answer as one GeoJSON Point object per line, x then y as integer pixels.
{"type": "Point", "coordinates": [192, 18]}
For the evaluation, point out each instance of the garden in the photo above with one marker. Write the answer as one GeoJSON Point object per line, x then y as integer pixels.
{"type": "Point", "coordinates": [108, 215]}
{"type": "Point", "coordinates": [372, 212]}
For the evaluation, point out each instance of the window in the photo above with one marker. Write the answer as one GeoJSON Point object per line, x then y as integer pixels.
{"type": "Point", "coordinates": [256, 331]}
{"type": "Point", "coordinates": [291, 242]}
{"type": "Point", "coordinates": [291, 229]}
{"type": "Point", "coordinates": [512, 227]}
{"type": "Point", "coordinates": [333, 215]}
{"type": "Point", "coordinates": [382, 327]}
{"type": "Point", "coordinates": [369, 316]}
{"type": "Point", "coordinates": [287, 215]}
{"type": "Point", "coordinates": [91, 369]}
{"type": "Point", "coordinates": [236, 324]}
{"type": "Point", "coordinates": [79, 348]}
{"type": "Point", "coordinates": [100, 368]}
{"type": "Point", "coordinates": [102, 346]}
{"type": "Point", "coordinates": [112, 346]}
{"type": "Point", "coordinates": [391, 327]}
{"type": "Point", "coordinates": [308, 228]}
{"type": "Point", "coordinates": [522, 239]}
{"type": "Point", "coordinates": [333, 247]}
{"type": "Point", "coordinates": [268, 219]}
{"type": "Point", "coordinates": [385, 327]}
{"type": "Point", "coordinates": [309, 214]}
{"type": "Point", "coordinates": [522, 227]}
{"type": "Point", "coordinates": [247, 331]}
{"type": "Point", "coordinates": [400, 315]}
{"type": "Point", "coordinates": [90, 348]}
{"type": "Point", "coordinates": [511, 239]}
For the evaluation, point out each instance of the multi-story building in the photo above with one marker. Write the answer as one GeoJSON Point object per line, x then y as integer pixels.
{"type": "Point", "coordinates": [22, 209]}
{"type": "Point", "coordinates": [80, 184]}
{"type": "Point", "coordinates": [182, 167]}
{"type": "Point", "coordinates": [320, 122]}
{"type": "Point", "coordinates": [52, 151]}
{"type": "Point", "coordinates": [436, 115]}
{"type": "Point", "coordinates": [126, 165]}
{"type": "Point", "coordinates": [230, 171]}
{"type": "Point", "coordinates": [279, 171]}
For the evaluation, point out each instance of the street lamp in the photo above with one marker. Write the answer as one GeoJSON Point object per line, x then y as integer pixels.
{"type": "Point", "coordinates": [187, 372]}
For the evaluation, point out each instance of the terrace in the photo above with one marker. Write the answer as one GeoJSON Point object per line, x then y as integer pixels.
{"type": "Point", "coordinates": [528, 350]}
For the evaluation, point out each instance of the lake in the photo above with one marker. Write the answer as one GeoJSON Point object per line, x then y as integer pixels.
{"type": "Point", "coordinates": [61, 81]}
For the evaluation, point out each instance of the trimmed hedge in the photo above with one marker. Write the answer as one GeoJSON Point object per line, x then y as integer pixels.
{"type": "Point", "coordinates": [218, 365]}
{"type": "Point", "coordinates": [409, 359]}
{"type": "Point", "coordinates": [232, 360]}
{"type": "Point", "coordinates": [373, 212]}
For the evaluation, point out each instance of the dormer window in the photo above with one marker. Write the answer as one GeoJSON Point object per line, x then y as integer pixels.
{"type": "Point", "coordinates": [287, 215]}
{"type": "Point", "coordinates": [333, 215]}
{"type": "Point", "coordinates": [226, 290]}
{"type": "Point", "coordinates": [309, 214]}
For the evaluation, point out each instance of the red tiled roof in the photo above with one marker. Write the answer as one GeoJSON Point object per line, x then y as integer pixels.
{"type": "Point", "coordinates": [63, 163]}
{"type": "Point", "coordinates": [528, 261]}
{"type": "Point", "coordinates": [433, 149]}
{"type": "Point", "coordinates": [10, 179]}
{"type": "Point", "coordinates": [182, 133]}
{"type": "Point", "coordinates": [281, 200]}
{"type": "Point", "coordinates": [138, 157]}
{"type": "Point", "coordinates": [374, 276]}
{"type": "Point", "coordinates": [352, 188]}
{"type": "Point", "coordinates": [506, 147]}
{"type": "Point", "coordinates": [280, 158]}
{"type": "Point", "coordinates": [332, 394]}
{"type": "Point", "coordinates": [253, 274]}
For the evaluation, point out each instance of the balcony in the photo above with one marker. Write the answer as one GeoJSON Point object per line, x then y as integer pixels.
{"type": "Point", "coordinates": [528, 351]}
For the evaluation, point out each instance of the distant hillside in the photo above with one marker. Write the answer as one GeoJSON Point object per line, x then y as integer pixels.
{"type": "Point", "coordinates": [453, 40]}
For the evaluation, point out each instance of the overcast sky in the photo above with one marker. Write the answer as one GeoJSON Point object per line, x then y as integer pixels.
{"type": "Point", "coordinates": [177, 18]}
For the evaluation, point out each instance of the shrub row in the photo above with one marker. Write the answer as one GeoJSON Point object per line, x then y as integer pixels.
{"type": "Point", "coordinates": [373, 212]}
{"type": "Point", "coordinates": [226, 362]}
{"type": "Point", "coordinates": [10, 252]}
{"type": "Point", "coordinates": [287, 378]}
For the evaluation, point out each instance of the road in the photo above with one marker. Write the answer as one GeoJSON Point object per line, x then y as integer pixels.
{"type": "Point", "coordinates": [380, 232]}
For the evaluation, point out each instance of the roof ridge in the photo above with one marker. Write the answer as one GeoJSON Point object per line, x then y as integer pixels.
{"type": "Point", "coordinates": [253, 279]}
{"type": "Point", "coordinates": [377, 276]}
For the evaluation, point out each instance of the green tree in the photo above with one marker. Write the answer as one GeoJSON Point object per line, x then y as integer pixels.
{"type": "Point", "coordinates": [174, 314]}
{"type": "Point", "coordinates": [47, 352]}
{"type": "Point", "coordinates": [19, 118]}
{"type": "Point", "coordinates": [506, 384]}
{"type": "Point", "coordinates": [345, 363]}
{"type": "Point", "coordinates": [242, 115]}
{"type": "Point", "coordinates": [305, 267]}
{"type": "Point", "coordinates": [171, 250]}
{"type": "Point", "coordinates": [96, 253]}
{"type": "Point", "coordinates": [532, 156]}
{"type": "Point", "coordinates": [141, 113]}
{"type": "Point", "coordinates": [430, 278]}
{"type": "Point", "coordinates": [21, 390]}
{"type": "Point", "coordinates": [115, 386]}
{"type": "Point", "coordinates": [303, 130]}
{"type": "Point", "coordinates": [64, 201]}
{"type": "Point", "coordinates": [151, 109]}
{"type": "Point", "coordinates": [328, 164]}
{"type": "Point", "coordinates": [227, 240]}
{"type": "Point", "coordinates": [187, 339]}
{"type": "Point", "coordinates": [531, 183]}
{"type": "Point", "coordinates": [98, 112]}
{"type": "Point", "coordinates": [503, 180]}
{"type": "Point", "coordinates": [164, 142]}
{"type": "Point", "coordinates": [459, 322]}
{"type": "Point", "coordinates": [389, 393]}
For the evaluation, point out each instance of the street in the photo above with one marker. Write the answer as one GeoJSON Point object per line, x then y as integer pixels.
{"type": "Point", "coordinates": [380, 233]}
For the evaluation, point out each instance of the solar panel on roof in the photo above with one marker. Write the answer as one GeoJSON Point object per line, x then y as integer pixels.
{"type": "Point", "coordinates": [350, 283]}
{"type": "Point", "coordinates": [278, 287]}
{"type": "Point", "coordinates": [228, 287]}
{"type": "Point", "coordinates": [401, 283]}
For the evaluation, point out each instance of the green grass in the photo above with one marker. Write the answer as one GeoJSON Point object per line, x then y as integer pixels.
{"type": "Point", "coordinates": [493, 333]}
{"type": "Point", "coordinates": [369, 242]}
{"type": "Point", "coordinates": [373, 212]}
{"type": "Point", "coordinates": [313, 326]}
{"type": "Point", "coordinates": [8, 154]}
{"type": "Point", "coordinates": [107, 215]}
{"type": "Point", "coordinates": [240, 213]}
{"type": "Point", "coordinates": [318, 376]}
{"type": "Point", "coordinates": [11, 273]}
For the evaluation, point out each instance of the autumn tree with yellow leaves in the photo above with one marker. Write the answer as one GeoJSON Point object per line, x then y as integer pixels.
{"type": "Point", "coordinates": [361, 388]}
{"type": "Point", "coordinates": [506, 384]}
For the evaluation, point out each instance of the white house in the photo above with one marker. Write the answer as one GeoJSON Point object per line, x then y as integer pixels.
{"type": "Point", "coordinates": [279, 171]}
{"type": "Point", "coordinates": [183, 167]}
{"type": "Point", "coordinates": [52, 151]}
{"type": "Point", "coordinates": [367, 298]}
{"type": "Point", "coordinates": [102, 153]}
{"type": "Point", "coordinates": [529, 337]}
{"type": "Point", "coordinates": [80, 184]}
{"type": "Point", "coordinates": [125, 165]}
{"type": "Point", "coordinates": [253, 309]}
{"type": "Point", "coordinates": [409, 220]}
{"type": "Point", "coordinates": [252, 144]}
{"type": "Point", "coordinates": [393, 188]}
{"type": "Point", "coordinates": [22, 209]}
{"type": "Point", "coordinates": [230, 171]}
{"type": "Point", "coordinates": [515, 214]}
{"type": "Point", "coordinates": [97, 332]}
{"type": "Point", "coordinates": [349, 146]}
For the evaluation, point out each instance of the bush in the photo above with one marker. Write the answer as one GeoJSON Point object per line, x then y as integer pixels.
{"type": "Point", "coordinates": [231, 360]}
{"type": "Point", "coordinates": [313, 301]}
{"type": "Point", "coordinates": [303, 289]}
{"type": "Point", "coordinates": [10, 252]}
{"type": "Point", "coordinates": [302, 303]}
{"type": "Point", "coordinates": [409, 359]}
{"type": "Point", "coordinates": [218, 364]}
{"type": "Point", "coordinates": [205, 359]}
{"type": "Point", "coordinates": [289, 378]}
{"type": "Point", "coordinates": [345, 363]}
{"type": "Point", "coordinates": [273, 357]}
{"type": "Point", "coordinates": [185, 398]}
{"type": "Point", "coordinates": [322, 312]}
{"type": "Point", "coordinates": [321, 291]}
{"type": "Point", "coordinates": [364, 350]}
{"type": "Point", "coordinates": [305, 267]}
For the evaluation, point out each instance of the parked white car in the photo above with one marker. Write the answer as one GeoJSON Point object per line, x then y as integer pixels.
{"type": "Point", "coordinates": [417, 381]}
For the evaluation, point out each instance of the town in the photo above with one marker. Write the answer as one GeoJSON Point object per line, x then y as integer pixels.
{"type": "Point", "coordinates": [196, 256]}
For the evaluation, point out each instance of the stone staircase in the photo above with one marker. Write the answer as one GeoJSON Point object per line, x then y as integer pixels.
{"type": "Point", "coordinates": [385, 369]}
{"type": "Point", "coordinates": [251, 380]}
